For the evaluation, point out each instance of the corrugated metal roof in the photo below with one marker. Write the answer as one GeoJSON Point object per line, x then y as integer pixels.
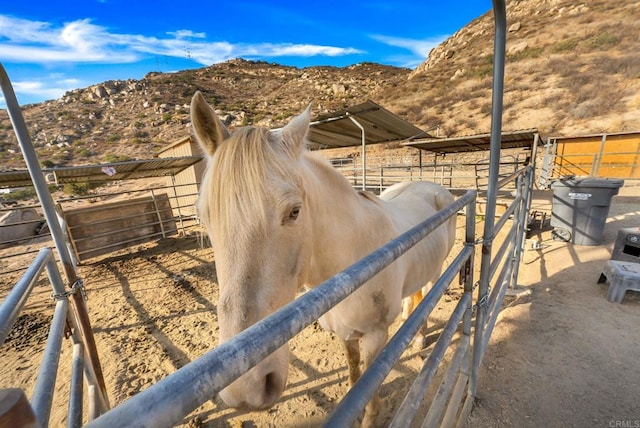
{"type": "Point", "coordinates": [103, 172]}
{"type": "Point", "coordinates": [514, 139]}
{"type": "Point", "coordinates": [380, 125]}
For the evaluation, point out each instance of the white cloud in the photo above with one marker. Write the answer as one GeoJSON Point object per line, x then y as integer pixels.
{"type": "Point", "coordinates": [81, 41]}
{"type": "Point", "coordinates": [38, 42]}
{"type": "Point", "coordinates": [187, 34]}
{"type": "Point", "coordinates": [46, 89]}
{"type": "Point", "coordinates": [304, 50]}
{"type": "Point", "coordinates": [49, 88]}
{"type": "Point", "coordinates": [420, 48]}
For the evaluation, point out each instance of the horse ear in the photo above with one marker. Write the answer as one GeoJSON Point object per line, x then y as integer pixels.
{"type": "Point", "coordinates": [296, 130]}
{"type": "Point", "coordinates": [209, 131]}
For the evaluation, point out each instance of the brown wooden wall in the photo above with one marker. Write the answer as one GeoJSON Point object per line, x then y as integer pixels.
{"type": "Point", "coordinates": [103, 228]}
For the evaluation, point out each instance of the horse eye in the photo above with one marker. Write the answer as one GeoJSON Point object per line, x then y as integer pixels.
{"type": "Point", "coordinates": [293, 214]}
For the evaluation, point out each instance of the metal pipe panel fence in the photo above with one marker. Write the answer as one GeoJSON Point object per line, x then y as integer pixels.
{"type": "Point", "coordinates": [168, 401]}
{"type": "Point", "coordinates": [13, 251]}
{"type": "Point", "coordinates": [65, 318]}
{"type": "Point", "coordinates": [383, 172]}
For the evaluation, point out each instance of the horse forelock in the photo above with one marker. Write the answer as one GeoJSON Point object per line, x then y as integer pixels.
{"type": "Point", "coordinates": [248, 169]}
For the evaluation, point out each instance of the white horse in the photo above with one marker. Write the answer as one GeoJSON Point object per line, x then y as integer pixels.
{"type": "Point", "coordinates": [280, 218]}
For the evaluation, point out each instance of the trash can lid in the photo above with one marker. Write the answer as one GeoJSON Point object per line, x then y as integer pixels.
{"type": "Point", "coordinates": [610, 183]}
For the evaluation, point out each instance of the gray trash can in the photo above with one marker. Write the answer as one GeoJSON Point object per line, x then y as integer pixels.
{"type": "Point", "coordinates": [580, 208]}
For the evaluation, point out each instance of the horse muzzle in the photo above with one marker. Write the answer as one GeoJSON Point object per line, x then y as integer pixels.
{"type": "Point", "coordinates": [262, 386]}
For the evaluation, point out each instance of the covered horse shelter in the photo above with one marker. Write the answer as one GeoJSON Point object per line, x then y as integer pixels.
{"type": "Point", "coordinates": [167, 402]}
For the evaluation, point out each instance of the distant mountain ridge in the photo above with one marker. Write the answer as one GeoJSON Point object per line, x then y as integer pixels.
{"type": "Point", "coordinates": [572, 69]}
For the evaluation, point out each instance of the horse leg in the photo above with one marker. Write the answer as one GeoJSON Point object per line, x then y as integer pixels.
{"type": "Point", "coordinates": [372, 343]}
{"type": "Point", "coordinates": [352, 349]}
{"type": "Point", "coordinates": [420, 341]}
{"type": "Point", "coordinates": [408, 305]}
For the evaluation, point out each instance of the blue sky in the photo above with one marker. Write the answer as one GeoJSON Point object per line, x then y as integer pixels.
{"type": "Point", "coordinates": [50, 47]}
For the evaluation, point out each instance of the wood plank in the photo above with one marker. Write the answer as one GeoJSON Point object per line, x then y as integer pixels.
{"type": "Point", "coordinates": [103, 228]}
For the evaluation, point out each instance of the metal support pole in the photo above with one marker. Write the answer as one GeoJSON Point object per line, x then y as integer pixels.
{"type": "Point", "coordinates": [364, 151]}
{"type": "Point", "coordinates": [155, 207]}
{"type": "Point", "coordinates": [45, 384]}
{"type": "Point", "coordinates": [178, 203]}
{"type": "Point", "coordinates": [598, 157]}
{"type": "Point", "coordinates": [521, 234]}
{"type": "Point", "coordinates": [40, 185]}
{"type": "Point", "coordinates": [500, 17]}
{"type": "Point", "coordinates": [74, 417]}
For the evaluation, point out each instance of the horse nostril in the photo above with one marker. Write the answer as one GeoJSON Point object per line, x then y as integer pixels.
{"type": "Point", "coordinates": [272, 389]}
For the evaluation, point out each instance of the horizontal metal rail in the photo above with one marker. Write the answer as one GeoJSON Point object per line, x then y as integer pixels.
{"type": "Point", "coordinates": [133, 241]}
{"type": "Point", "coordinates": [175, 396]}
{"type": "Point", "coordinates": [409, 407]}
{"type": "Point", "coordinates": [126, 192]}
{"type": "Point", "coordinates": [42, 399]}
{"type": "Point", "coordinates": [17, 297]}
{"type": "Point", "coordinates": [511, 177]}
{"type": "Point", "coordinates": [101, 207]}
{"type": "Point", "coordinates": [18, 223]}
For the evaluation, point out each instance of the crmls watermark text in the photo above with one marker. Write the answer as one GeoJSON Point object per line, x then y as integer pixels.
{"type": "Point", "coordinates": [624, 424]}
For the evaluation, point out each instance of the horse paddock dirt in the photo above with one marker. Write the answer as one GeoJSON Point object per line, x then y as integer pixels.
{"type": "Point", "coordinates": [560, 354]}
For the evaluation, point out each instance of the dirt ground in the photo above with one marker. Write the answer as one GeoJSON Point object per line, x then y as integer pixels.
{"type": "Point", "coordinates": [560, 355]}
{"type": "Point", "coordinates": [564, 355]}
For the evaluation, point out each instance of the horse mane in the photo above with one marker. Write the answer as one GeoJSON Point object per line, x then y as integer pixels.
{"type": "Point", "coordinates": [238, 174]}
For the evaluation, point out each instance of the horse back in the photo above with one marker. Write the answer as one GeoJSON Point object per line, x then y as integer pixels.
{"type": "Point", "coordinates": [409, 204]}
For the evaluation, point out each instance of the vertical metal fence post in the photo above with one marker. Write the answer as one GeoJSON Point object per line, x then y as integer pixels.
{"type": "Point", "coordinates": [74, 417]}
{"type": "Point", "coordinates": [470, 240]}
{"type": "Point", "coordinates": [40, 185]}
{"type": "Point", "coordinates": [178, 203]}
{"type": "Point", "coordinates": [467, 366]}
{"type": "Point", "coordinates": [500, 18]}
{"type": "Point", "coordinates": [157, 209]}
{"type": "Point", "coordinates": [364, 150]}
{"type": "Point", "coordinates": [526, 185]}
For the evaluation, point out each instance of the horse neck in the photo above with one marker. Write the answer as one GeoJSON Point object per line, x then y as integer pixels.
{"type": "Point", "coordinates": [341, 218]}
{"type": "Point", "coordinates": [331, 196]}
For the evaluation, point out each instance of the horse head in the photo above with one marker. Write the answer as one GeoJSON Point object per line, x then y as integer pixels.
{"type": "Point", "coordinates": [253, 204]}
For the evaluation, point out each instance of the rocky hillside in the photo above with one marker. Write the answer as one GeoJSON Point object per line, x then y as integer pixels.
{"type": "Point", "coordinates": [133, 119]}
{"type": "Point", "coordinates": [572, 68]}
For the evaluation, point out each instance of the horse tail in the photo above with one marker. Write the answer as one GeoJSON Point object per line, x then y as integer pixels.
{"type": "Point", "coordinates": [443, 198]}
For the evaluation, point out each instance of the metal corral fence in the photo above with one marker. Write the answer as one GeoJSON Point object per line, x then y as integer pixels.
{"type": "Point", "coordinates": [78, 323]}
{"type": "Point", "coordinates": [172, 398]}
{"type": "Point", "coordinates": [139, 216]}
{"type": "Point", "coordinates": [382, 173]}
{"type": "Point", "coordinates": [177, 395]}
{"type": "Point", "coordinates": [66, 319]}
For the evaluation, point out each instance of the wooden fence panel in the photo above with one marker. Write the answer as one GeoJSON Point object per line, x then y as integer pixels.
{"type": "Point", "coordinates": [103, 228]}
